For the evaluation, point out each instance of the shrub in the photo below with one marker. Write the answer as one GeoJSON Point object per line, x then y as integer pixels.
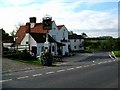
{"type": "Point", "coordinates": [46, 58]}
{"type": "Point", "coordinates": [25, 55]}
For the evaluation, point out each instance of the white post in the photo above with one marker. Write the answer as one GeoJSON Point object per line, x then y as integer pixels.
{"type": "Point", "coordinates": [46, 44]}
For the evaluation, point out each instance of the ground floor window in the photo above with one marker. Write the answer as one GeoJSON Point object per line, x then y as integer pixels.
{"type": "Point", "coordinates": [53, 48]}
{"type": "Point", "coordinates": [42, 48]}
{"type": "Point", "coordinates": [34, 50]}
{"type": "Point", "coordinates": [74, 47]}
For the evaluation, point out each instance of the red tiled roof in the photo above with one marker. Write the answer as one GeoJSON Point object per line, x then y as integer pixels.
{"type": "Point", "coordinates": [20, 34]}
{"type": "Point", "coordinates": [59, 26]}
{"type": "Point", "coordinates": [38, 28]}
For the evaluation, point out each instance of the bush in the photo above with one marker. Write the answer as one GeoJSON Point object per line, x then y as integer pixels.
{"type": "Point", "coordinates": [46, 58]}
{"type": "Point", "coordinates": [117, 53]}
{"type": "Point", "coordinates": [25, 56]}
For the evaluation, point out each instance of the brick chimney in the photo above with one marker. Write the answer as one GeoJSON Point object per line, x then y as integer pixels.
{"type": "Point", "coordinates": [28, 27]}
{"type": "Point", "coordinates": [32, 21]}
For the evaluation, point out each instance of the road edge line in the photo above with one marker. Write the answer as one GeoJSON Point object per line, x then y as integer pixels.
{"type": "Point", "coordinates": [114, 55]}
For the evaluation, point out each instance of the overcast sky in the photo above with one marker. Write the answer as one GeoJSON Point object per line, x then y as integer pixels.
{"type": "Point", "coordinates": [94, 17]}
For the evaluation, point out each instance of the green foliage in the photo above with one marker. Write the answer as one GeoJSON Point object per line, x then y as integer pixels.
{"type": "Point", "coordinates": [35, 62]}
{"type": "Point", "coordinates": [84, 35]}
{"type": "Point", "coordinates": [4, 34]}
{"type": "Point", "coordinates": [46, 58]}
{"type": "Point", "coordinates": [117, 53]}
{"type": "Point", "coordinates": [25, 56]}
{"type": "Point", "coordinates": [20, 55]}
{"type": "Point", "coordinates": [102, 45]}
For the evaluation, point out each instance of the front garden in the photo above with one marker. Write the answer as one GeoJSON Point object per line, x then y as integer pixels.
{"type": "Point", "coordinates": [46, 59]}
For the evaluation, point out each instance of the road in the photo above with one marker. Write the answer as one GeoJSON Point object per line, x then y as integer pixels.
{"type": "Point", "coordinates": [97, 70]}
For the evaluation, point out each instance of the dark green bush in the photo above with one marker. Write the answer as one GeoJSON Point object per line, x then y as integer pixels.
{"type": "Point", "coordinates": [46, 58]}
{"type": "Point", "coordinates": [25, 56]}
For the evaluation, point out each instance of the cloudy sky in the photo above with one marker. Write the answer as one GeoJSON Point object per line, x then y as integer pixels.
{"type": "Point", "coordinates": [94, 17]}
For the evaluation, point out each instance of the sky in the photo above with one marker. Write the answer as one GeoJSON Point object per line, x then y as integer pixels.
{"type": "Point", "coordinates": [93, 17]}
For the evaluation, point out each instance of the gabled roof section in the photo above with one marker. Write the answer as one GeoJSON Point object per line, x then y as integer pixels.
{"type": "Point", "coordinates": [41, 37]}
{"type": "Point", "coordinates": [20, 34]}
{"type": "Point", "coordinates": [38, 28]}
{"type": "Point", "coordinates": [59, 27]}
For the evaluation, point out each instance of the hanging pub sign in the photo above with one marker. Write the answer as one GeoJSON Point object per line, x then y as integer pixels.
{"type": "Point", "coordinates": [47, 23]}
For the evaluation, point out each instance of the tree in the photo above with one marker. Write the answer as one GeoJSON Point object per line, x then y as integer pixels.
{"type": "Point", "coordinates": [71, 33]}
{"type": "Point", "coordinates": [13, 33]}
{"type": "Point", "coordinates": [4, 34]}
{"type": "Point", "coordinates": [106, 37]}
{"type": "Point", "coordinates": [84, 35]}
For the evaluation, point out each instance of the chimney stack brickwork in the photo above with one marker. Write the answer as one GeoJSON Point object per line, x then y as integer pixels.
{"type": "Point", "coordinates": [32, 21]}
{"type": "Point", "coordinates": [28, 27]}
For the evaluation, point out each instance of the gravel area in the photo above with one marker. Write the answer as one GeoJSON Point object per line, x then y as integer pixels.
{"type": "Point", "coordinates": [9, 65]}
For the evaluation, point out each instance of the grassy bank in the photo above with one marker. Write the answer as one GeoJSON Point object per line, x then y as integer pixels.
{"type": "Point", "coordinates": [117, 53]}
{"type": "Point", "coordinates": [35, 62]}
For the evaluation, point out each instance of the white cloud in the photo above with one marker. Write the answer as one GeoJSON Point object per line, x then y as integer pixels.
{"type": "Point", "coordinates": [62, 13]}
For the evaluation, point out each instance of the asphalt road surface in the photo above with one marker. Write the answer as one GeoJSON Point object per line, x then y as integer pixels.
{"type": "Point", "coordinates": [98, 70]}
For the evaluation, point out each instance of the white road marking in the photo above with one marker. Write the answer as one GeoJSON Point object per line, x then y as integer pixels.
{"type": "Point", "coordinates": [114, 55]}
{"type": "Point", "coordinates": [106, 61]}
{"type": "Point", "coordinates": [70, 68]}
{"type": "Point", "coordinates": [113, 60]}
{"type": "Point", "coordinates": [110, 56]}
{"type": "Point", "coordinates": [100, 63]}
{"type": "Point", "coordinates": [5, 80]}
{"type": "Point", "coordinates": [86, 66]}
{"type": "Point", "coordinates": [109, 61]}
{"type": "Point", "coordinates": [79, 67]}
{"type": "Point", "coordinates": [37, 75]}
{"type": "Point", "coordinates": [22, 77]}
{"type": "Point", "coordinates": [61, 70]}
{"type": "Point", "coordinates": [50, 72]}
{"type": "Point", "coordinates": [62, 64]}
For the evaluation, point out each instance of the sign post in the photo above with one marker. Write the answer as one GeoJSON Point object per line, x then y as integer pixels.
{"type": "Point", "coordinates": [47, 25]}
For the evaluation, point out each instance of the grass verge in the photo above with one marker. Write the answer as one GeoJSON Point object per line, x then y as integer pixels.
{"type": "Point", "coordinates": [117, 53]}
{"type": "Point", "coordinates": [35, 62]}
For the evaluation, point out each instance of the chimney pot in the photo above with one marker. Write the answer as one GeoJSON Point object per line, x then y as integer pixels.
{"type": "Point", "coordinates": [32, 19]}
